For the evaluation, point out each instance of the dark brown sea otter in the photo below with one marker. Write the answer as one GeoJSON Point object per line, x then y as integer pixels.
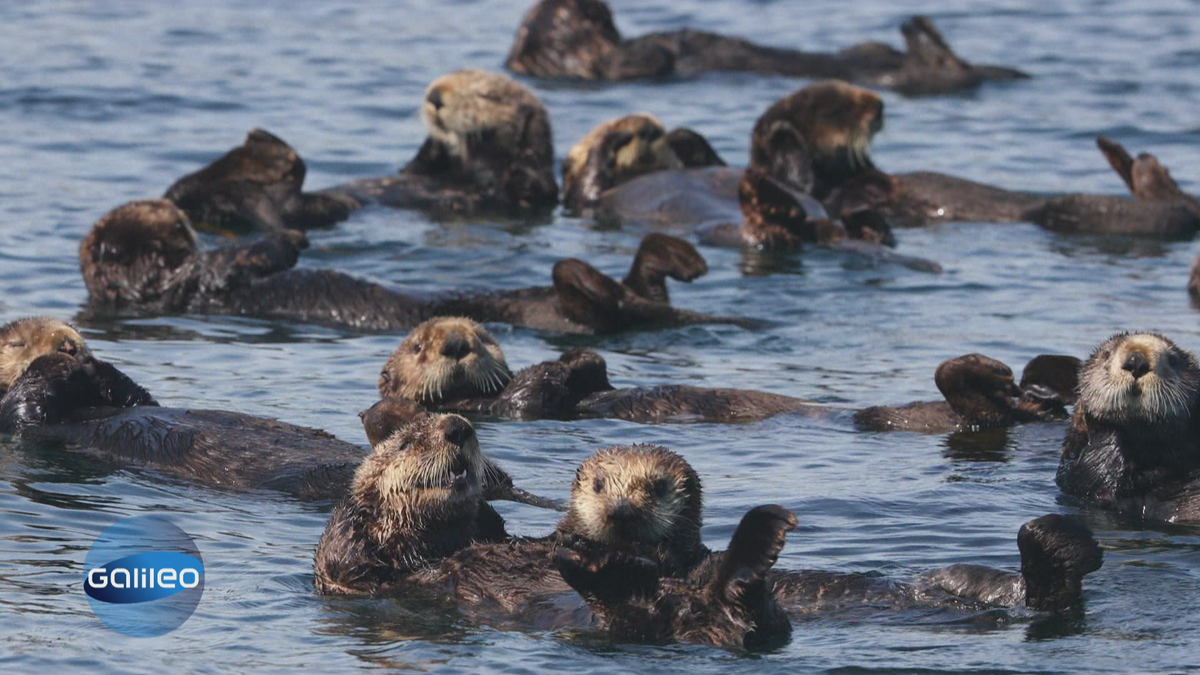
{"type": "Point", "coordinates": [631, 170]}
{"type": "Point", "coordinates": [414, 524]}
{"type": "Point", "coordinates": [578, 39]}
{"type": "Point", "coordinates": [144, 257]}
{"type": "Point", "coordinates": [454, 364]}
{"type": "Point", "coordinates": [1134, 440]}
{"type": "Point", "coordinates": [489, 150]}
{"type": "Point", "coordinates": [75, 399]}
{"type": "Point", "coordinates": [256, 186]}
{"type": "Point", "coordinates": [817, 140]}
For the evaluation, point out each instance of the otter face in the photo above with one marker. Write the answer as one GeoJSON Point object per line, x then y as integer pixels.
{"type": "Point", "coordinates": [442, 358]}
{"type": "Point", "coordinates": [133, 254]}
{"type": "Point", "coordinates": [614, 152]}
{"type": "Point", "coordinates": [564, 38]}
{"type": "Point", "coordinates": [24, 340]}
{"type": "Point", "coordinates": [1139, 377]}
{"type": "Point", "coordinates": [469, 105]}
{"type": "Point", "coordinates": [829, 123]}
{"type": "Point", "coordinates": [427, 470]}
{"type": "Point", "coordinates": [641, 494]}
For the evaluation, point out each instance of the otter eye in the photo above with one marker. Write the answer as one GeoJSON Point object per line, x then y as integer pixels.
{"type": "Point", "coordinates": [661, 487]}
{"type": "Point", "coordinates": [416, 348]}
{"type": "Point", "coordinates": [598, 485]}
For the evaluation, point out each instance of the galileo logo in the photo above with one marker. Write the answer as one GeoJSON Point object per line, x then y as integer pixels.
{"type": "Point", "coordinates": [144, 576]}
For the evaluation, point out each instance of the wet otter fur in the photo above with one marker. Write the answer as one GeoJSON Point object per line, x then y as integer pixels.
{"type": "Point", "coordinates": [256, 186]}
{"type": "Point", "coordinates": [578, 39]}
{"type": "Point", "coordinates": [392, 535]}
{"type": "Point", "coordinates": [489, 149]}
{"type": "Point", "coordinates": [144, 257]}
{"type": "Point", "coordinates": [1134, 441]}
{"type": "Point", "coordinates": [91, 407]}
{"type": "Point", "coordinates": [417, 498]}
{"type": "Point", "coordinates": [454, 364]}
{"type": "Point", "coordinates": [26, 339]}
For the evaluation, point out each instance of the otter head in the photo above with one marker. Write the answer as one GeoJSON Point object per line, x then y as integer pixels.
{"type": "Point", "coordinates": [564, 38]}
{"type": "Point", "coordinates": [816, 138]}
{"type": "Point", "coordinates": [137, 253]}
{"type": "Point", "coordinates": [1139, 378]}
{"type": "Point", "coordinates": [24, 340]}
{"type": "Point", "coordinates": [614, 152]}
{"type": "Point", "coordinates": [644, 496]}
{"type": "Point", "coordinates": [426, 476]}
{"type": "Point", "coordinates": [445, 358]}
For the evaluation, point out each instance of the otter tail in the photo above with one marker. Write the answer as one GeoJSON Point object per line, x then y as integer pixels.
{"type": "Point", "coordinates": [1056, 553]}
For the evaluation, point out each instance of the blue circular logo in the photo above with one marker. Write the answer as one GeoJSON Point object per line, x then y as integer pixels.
{"type": "Point", "coordinates": [143, 576]}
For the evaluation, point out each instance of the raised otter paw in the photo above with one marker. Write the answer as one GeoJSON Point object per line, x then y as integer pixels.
{"type": "Point", "coordinates": [752, 552]}
{"type": "Point", "coordinates": [980, 389]}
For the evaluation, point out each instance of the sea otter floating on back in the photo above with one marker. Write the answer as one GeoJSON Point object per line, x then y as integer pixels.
{"type": "Point", "coordinates": [489, 150]}
{"type": "Point", "coordinates": [578, 39]}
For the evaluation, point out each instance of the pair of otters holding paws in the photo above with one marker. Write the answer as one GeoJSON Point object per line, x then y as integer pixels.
{"type": "Point", "coordinates": [1131, 383]}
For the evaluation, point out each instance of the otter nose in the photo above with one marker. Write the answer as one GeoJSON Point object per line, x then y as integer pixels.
{"type": "Point", "coordinates": [622, 512]}
{"type": "Point", "coordinates": [69, 347]}
{"type": "Point", "coordinates": [1137, 364]}
{"type": "Point", "coordinates": [435, 99]}
{"type": "Point", "coordinates": [457, 430]}
{"type": "Point", "coordinates": [456, 347]}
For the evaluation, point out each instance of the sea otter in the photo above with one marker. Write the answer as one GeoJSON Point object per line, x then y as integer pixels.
{"type": "Point", "coordinates": [1055, 552]}
{"type": "Point", "coordinates": [144, 257]}
{"type": "Point", "coordinates": [413, 524]}
{"type": "Point", "coordinates": [454, 364]}
{"type": "Point", "coordinates": [578, 39]}
{"type": "Point", "coordinates": [817, 140]}
{"type": "Point", "coordinates": [1134, 440]}
{"type": "Point", "coordinates": [629, 170]}
{"type": "Point", "coordinates": [24, 340]}
{"type": "Point", "coordinates": [94, 408]}
{"type": "Point", "coordinates": [256, 186]}
{"type": "Point", "coordinates": [489, 149]}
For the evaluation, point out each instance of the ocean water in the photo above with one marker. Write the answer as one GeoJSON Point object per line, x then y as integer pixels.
{"type": "Point", "coordinates": [108, 102]}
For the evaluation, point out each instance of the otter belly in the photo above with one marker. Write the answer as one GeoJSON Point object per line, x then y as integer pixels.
{"type": "Point", "coordinates": [675, 200]}
{"type": "Point", "coordinates": [217, 448]}
{"type": "Point", "coordinates": [682, 403]}
{"type": "Point", "coordinates": [927, 197]}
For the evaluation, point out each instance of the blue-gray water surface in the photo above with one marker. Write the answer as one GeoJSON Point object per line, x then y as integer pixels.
{"type": "Point", "coordinates": [101, 103]}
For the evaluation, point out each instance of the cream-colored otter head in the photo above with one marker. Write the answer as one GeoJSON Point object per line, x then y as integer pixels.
{"type": "Point", "coordinates": [24, 340]}
{"type": "Point", "coordinates": [635, 494]}
{"type": "Point", "coordinates": [426, 472]}
{"type": "Point", "coordinates": [614, 152]}
{"type": "Point", "coordinates": [471, 105]}
{"type": "Point", "coordinates": [1139, 377]}
{"type": "Point", "coordinates": [824, 129]}
{"type": "Point", "coordinates": [445, 358]}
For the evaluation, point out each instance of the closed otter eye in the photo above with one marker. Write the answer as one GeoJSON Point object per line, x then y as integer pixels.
{"type": "Point", "coordinates": [598, 485]}
{"type": "Point", "coordinates": [16, 344]}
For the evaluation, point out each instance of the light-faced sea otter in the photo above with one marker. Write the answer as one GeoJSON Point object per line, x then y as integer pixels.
{"type": "Point", "coordinates": [412, 524]}
{"type": "Point", "coordinates": [1134, 440]}
{"type": "Point", "coordinates": [68, 397]}
{"type": "Point", "coordinates": [144, 257]}
{"type": "Point", "coordinates": [454, 364]}
{"type": "Point", "coordinates": [578, 39]}
{"type": "Point", "coordinates": [256, 186]}
{"type": "Point", "coordinates": [489, 149]}
{"type": "Point", "coordinates": [629, 170]}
